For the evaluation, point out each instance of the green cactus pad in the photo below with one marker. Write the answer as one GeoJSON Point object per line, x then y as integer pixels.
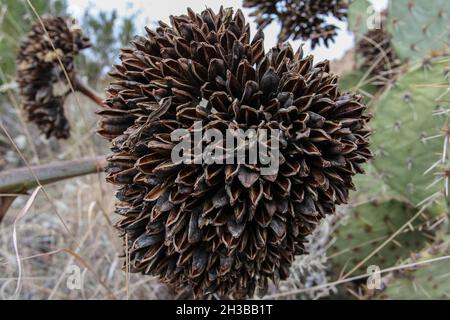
{"type": "Point", "coordinates": [425, 281]}
{"type": "Point", "coordinates": [419, 28]}
{"type": "Point", "coordinates": [403, 120]}
{"type": "Point", "coordinates": [366, 227]}
{"type": "Point", "coordinates": [370, 186]}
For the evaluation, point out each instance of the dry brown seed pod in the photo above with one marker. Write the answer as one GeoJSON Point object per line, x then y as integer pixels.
{"type": "Point", "coordinates": [225, 229]}
{"type": "Point", "coordinates": [40, 75]}
{"type": "Point", "coordinates": [300, 19]}
{"type": "Point", "coordinates": [378, 54]}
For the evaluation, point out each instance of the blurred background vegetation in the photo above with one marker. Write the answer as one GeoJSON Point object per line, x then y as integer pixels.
{"type": "Point", "coordinates": [107, 29]}
{"type": "Point", "coordinates": [15, 21]}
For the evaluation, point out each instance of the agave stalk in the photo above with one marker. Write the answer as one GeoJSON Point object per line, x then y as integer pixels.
{"type": "Point", "coordinates": [18, 181]}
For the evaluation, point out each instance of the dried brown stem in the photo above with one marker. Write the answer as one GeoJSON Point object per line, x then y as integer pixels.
{"type": "Point", "coordinates": [20, 180]}
{"type": "Point", "coordinates": [80, 86]}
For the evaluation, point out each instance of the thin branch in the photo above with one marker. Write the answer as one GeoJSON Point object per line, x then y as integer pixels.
{"type": "Point", "coordinates": [81, 87]}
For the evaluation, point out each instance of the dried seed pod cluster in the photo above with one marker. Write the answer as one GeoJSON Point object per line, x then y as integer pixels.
{"type": "Point", "coordinates": [225, 228]}
{"type": "Point", "coordinates": [40, 75]}
{"type": "Point", "coordinates": [378, 54]}
{"type": "Point", "coordinates": [300, 19]}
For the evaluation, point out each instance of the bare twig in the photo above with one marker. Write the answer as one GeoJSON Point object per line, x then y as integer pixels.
{"type": "Point", "coordinates": [80, 86]}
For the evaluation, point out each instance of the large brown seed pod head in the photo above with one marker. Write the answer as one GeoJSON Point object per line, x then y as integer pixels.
{"type": "Point", "coordinates": [225, 228]}
{"type": "Point", "coordinates": [300, 19]}
{"type": "Point", "coordinates": [42, 81]}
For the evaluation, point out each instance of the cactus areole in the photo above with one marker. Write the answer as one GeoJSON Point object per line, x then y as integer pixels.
{"type": "Point", "coordinates": [225, 228]}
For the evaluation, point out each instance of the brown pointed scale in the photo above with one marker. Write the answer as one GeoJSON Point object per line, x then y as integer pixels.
{"type": "Point", "coordinates": [225, 228]}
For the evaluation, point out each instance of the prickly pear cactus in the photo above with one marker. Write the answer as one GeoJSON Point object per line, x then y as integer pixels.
{"type": "Point", "coordinates": [366, 227]}
{"type": "Point", "coordinates": [409, 131]}
{"type": "Point", "coordinates": [425, 281]}
{"type": "Point", "coordinates": [419, 29]}
{"type": "Point", "coordinates": [370, 186]}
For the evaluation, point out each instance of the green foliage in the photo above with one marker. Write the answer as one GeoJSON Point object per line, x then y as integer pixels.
{"type": "Point", "coordinates": [402, 123]}
{"type": "Point", "coordinates": [127, 31]}
{"type": "Point", "coordinates": [16, 18]}
{"type": "Point", "coordinates": [109, 33]}
{"type": "Point", "coordinates": [419, 28]}
{"type": "Point", "coordinates": [426, 281]}
{"type": "Point", "coordinates": [366, 227]}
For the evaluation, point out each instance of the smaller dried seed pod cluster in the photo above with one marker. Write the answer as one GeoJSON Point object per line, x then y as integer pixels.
{"type": "Point", "coordinates": [41, 79]}
{"type": "Point", "coordinates": [300, 19]}
{"type": "Point", "coordinates": [378, 54]}
{"type": "Point", "coordinates": [225, 228]}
